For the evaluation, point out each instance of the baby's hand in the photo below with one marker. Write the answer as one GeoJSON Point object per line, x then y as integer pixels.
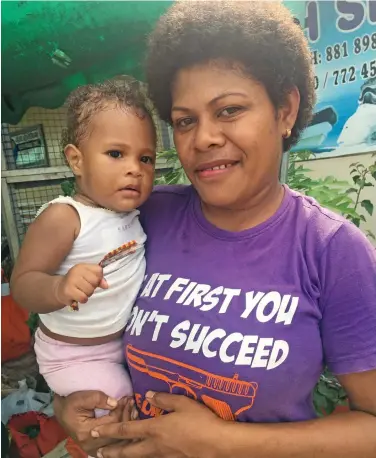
{"type": "Point", "coordinates": [130, 411]}
{"type": "Point", "coordinates": [80, 283]}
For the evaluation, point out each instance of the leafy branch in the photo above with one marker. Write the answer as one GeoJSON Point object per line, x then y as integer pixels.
{"type": "Point", "coordinates": [328, 394]}
{"type": "Point", "coordinates": [362, 178]}
{"type": "Point", "coordinates": [175, 174]}
{"type": "Point", "coordinates": [332, 193]}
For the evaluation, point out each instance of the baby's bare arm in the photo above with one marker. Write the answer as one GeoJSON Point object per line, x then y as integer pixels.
{"type": "Point", "coordinates": [48, 241]}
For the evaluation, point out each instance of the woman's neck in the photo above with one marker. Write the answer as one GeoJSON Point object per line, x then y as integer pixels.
{"type": "Point", "coordinates": [256, 211]}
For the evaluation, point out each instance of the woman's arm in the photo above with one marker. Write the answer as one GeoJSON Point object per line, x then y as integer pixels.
{"type": "Point", "coordinates": [348, 435]}
{"type": "Point", "coordinates": [192, 430]}
{"type": "Point", "coordinates": [47, 242]}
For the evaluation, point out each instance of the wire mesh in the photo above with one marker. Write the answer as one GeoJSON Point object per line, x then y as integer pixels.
{"type": "Point", "coordinates": [33, 150]}
{"type": "Point", "coordinates": [6, 261]}
{"type": "Point", "coordinates": [27, 198]}
{"type": "Point", "coordinates": [36, 142]}
{"type": "Point", "coordinates": [40, 132]}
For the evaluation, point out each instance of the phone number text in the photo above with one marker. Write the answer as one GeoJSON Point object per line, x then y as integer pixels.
{"type": "Point", "coordinates": [347, 75]}
{"type": "Point", "coordinates": [343, 50]}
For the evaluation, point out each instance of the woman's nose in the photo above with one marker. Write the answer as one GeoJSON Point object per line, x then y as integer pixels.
{"type": "Point", "coordinates": [208, 135]}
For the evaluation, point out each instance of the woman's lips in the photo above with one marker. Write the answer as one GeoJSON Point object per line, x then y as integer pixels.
{"type": "Point", "coordinates": [216, 170]}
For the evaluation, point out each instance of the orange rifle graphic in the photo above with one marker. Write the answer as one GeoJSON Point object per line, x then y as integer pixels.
{"type": "Point", "coordinates": [192, 380]}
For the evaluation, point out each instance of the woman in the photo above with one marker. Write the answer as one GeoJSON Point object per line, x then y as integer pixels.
{"type": "Point", "coordinates": [251, 288]}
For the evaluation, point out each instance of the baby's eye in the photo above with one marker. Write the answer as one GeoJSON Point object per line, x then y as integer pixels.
{"type": "Point", "coordinates": [147, 159]}
{"type": "Point", "coordinates": [114, 154]}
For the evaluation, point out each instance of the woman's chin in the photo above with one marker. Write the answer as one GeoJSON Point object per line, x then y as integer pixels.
{"type": "Point", "coordinates": [219, 199]}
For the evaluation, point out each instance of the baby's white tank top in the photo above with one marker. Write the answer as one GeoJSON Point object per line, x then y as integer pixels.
{"type": "Point", "coordinates": [107, 310]}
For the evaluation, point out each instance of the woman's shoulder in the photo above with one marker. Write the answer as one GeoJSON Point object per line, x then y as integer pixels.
{"type": "Point", "coordinates": [344, 272]}
{"type": "Point", "coordinates": [171, 191]}
{"type": "Point", "coordinates": [325, 227]}
{"type": "Point", "coordinates": [169, 196]}
{"type": "Point", "coordinates": [165, 201]}
{"type": "Point", "coordinates": [346, 277]}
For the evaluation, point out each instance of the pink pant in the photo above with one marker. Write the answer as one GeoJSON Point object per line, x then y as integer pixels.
{"type": "Point", "coordinates": [68, 367]}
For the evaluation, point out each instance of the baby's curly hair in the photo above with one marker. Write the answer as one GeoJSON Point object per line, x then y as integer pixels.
{"type": "Point", "coordinates": [262, 36]}
{"type": "Point", "coordinates": [86, 101]}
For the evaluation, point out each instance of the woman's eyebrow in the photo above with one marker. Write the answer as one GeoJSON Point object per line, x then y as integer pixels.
{"type": "Point", "coordinates": [213, 101]}
{"type": "Point", "coordinates": [226, 94]}
{"type": "Point", "coordinates": [176, 108]}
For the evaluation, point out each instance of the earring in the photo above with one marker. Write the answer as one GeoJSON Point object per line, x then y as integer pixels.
{"type": "Point", "coordinates": [287, 134]}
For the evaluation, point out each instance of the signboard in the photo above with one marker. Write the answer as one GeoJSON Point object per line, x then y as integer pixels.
{"type": "Point", "coordinates": [29, 147]}
{"type": "Point", "coordinates": [342, 37]}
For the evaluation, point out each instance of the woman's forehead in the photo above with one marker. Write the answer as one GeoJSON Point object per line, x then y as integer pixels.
{"type": "Point", "coordinates": [207, 83]}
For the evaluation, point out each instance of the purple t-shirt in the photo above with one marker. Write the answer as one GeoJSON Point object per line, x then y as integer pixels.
{"type": "Point", "coordinates": [245, 321]}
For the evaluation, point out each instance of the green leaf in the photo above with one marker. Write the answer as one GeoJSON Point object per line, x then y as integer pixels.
{"type": "Point", "coordinates": [68, 187]}
{"type": "Point", "coordinates": [368, 206]}
{"type": "Point", "coordinates": [353, 213]}
{"type": "Point", "coordinates": [303, 170]}
{"type": "Point", "coordinates": [371, 235]}
{"type": "Point", "coordinates": [356, 221]}
{"type": "Point", "coordinates": [321, 403]}
{"type": "Point", "coordinates": [328, 394]}
{"type": "Point", "coordinates": [368, 184]}
{"type": "Point", "coordinates": [356, 178]}
{"type": "Point", "coordinates": [33, 322]}
{"type": "Point", "coordinates": [343, 208]}
{"type": "Point", "coordinates": [351, 190]}
{"type": "Point", "coordinates": [326, 391]}
{"type": "Point", "coordinates": [363, 218]}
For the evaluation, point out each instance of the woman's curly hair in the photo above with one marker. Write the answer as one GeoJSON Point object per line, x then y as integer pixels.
{"type": "Point", "coordinates": [85, 101]}
{"type": "Point", "coordinates": [262, 36]}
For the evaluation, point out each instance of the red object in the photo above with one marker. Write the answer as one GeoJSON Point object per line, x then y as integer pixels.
{"type": "Point", "coordinates": [50, 434]}
{"type": "Point", "coordinates": [342, 409]}
{"type": "Point", "coordinates": [74, 450]}
{"type": "Point", "coordinates": [15, 333]}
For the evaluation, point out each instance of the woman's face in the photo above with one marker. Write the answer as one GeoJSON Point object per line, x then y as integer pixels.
{"type": "Point", "coordinates": [228, 134]}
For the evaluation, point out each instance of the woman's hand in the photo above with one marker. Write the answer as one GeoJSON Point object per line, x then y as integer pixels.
{"type": "Point", "coordinates": [76, 414]}
{"type": "Point", "coordinates": [190, 430]}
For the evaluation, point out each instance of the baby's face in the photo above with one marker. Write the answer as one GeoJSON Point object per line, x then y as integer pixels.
{"type": "Point", "coordinates": [118, 159]}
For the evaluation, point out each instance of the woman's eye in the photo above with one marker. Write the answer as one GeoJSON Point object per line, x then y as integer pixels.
{"type": "Point", "coordinates": [147, 160]}
{"type": "Point", "coordinates": [229, 111]}
{"type": "Point", "coordinates": [183, 122]}
{"type": "Point", "coordinates": [114, 154]}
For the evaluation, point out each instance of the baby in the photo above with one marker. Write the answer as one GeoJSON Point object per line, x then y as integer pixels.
{"type": "Point", "coordinates": [82, 262]}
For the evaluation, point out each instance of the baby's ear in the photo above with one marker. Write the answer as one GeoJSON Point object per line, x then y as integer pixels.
{"type": "Point", "coordinates": [74, 159]}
